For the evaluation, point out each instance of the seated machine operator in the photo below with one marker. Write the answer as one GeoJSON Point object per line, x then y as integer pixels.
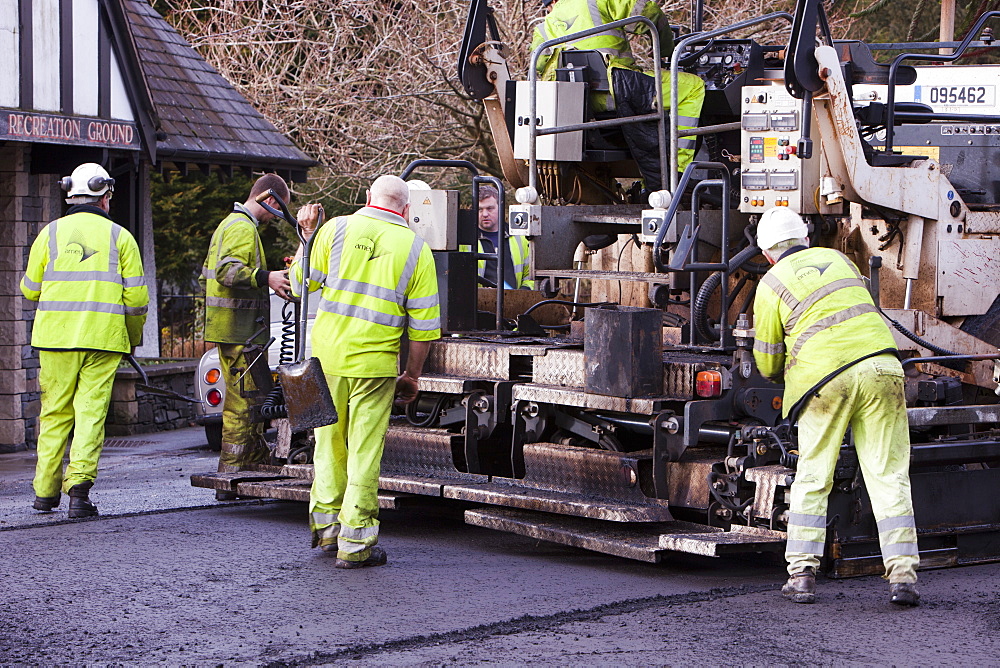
{"type": "Point", "coordinates": [566, 17]}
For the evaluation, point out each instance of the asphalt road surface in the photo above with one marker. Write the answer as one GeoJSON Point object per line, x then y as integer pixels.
{"type": "Point", "coordinates": [168, 576]}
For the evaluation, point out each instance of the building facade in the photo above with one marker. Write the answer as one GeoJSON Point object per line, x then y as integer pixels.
{"type": "Point", "coordinates": [105, 81]}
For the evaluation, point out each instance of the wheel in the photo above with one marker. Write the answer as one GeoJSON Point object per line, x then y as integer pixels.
{"type": "Point", "coordinates": [213, 432]}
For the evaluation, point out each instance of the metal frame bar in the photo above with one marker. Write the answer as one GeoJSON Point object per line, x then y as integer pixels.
{"type": "Point", "coordinates": [503, 245]}
{"type": "Point", "coordinates": [890, 99]}
{"type": "Point", "coordinates": [675, 70]}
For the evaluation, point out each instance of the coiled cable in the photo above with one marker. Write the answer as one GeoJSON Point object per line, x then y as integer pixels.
{"type": "Point", "coordinates": [286, 351]}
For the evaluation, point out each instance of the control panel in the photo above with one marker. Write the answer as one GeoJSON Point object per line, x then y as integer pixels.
{"type": "Point", "coordinates": [722, 63]}
{"type": "Point", "coordinates": [725, 66]}
{"type": "Point", "coordinates": [771, 172]}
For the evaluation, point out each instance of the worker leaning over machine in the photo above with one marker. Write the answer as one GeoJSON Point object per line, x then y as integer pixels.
{"type": "Point", "coordinates": [378, 280]}
{"type": "Point", "coordinates": [237, 313]}
{"type": "Point", "coordinates": [566, 17]}
{"type": "Point", "coordinates": [86, 274]}
{"type": "Point", "coordinates": [814, 317]}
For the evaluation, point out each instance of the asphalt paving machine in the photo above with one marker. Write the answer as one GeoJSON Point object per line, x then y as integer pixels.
{"type": "Point", "coordinates": [640, 426]}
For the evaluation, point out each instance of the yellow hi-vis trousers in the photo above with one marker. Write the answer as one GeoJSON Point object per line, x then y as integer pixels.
{"type": "Point", "coordinates": [76, 391]}
{"type": "Point", "coordinates": [869, 398]}
{"type": "Point", "coordinates": [690, 99]}
{"type": "Point", "coordinates": [343, 503]}
{"type": "Point", "coordinates": [243, 441]}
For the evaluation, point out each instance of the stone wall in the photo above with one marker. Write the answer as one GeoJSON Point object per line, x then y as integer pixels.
{"type": "Point", "coordinates": [27, 203]}
{"type": "Point", "coordinates": [133, 411]}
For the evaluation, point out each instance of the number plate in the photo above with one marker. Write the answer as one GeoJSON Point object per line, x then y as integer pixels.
{"type": "Point", "coordinates": [955, 96]}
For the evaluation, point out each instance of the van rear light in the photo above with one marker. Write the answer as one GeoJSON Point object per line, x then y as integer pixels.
{"type": "Point", "coordinates": [214, 397]}
{"type": "Point", "coordinates": [212, 376]}
{"type": "Point", "coordinates": [708, 384]}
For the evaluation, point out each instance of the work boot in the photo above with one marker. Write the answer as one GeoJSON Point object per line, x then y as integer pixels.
{"type": "Point", "coordinates": [904, 593]}
{"type": "Point", "coordinates": [801, 587]}
{"type": "Point", "coordinates": [80, 504]}
{"type": "Point", "coordinates": [376, 558]}
{"type": "Point", "coordinates": [45, 503]}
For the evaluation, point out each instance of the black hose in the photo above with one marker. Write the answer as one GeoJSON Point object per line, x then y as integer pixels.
{"type": "Point", "coordinates": [699, 305]}
{"type": "Point", "coordinates": [432, 417]}
{"type": "Point", "coordinates": [565, 302]}
{"type": "Point", "coordinates": [937, 350]}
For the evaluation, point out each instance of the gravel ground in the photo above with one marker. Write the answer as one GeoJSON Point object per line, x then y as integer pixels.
{"type": "Point", "coordinates": [168, 577]}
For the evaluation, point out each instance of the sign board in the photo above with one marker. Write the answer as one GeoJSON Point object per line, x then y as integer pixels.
{"type": "Point", "coordinates": [75, 130]}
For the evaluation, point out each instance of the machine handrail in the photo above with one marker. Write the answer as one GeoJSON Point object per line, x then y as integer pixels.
{"type": "Point", "coordinates": [502, 244]}
{"type": "Point", "coordinates": [428, 162]}
{"type": "Point", "coordinates": [674, 71]}
{"type": "Point", "coordinates": [675, 203]}
{"type": "Point", "coordinates": [533, 95]}
{"type": "Point", "coordinates": [503, 247]}
{"type": "Point", "coordinates": [890, 99]}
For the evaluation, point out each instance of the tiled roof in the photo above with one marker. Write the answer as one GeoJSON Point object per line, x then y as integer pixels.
{"type": "Point", "coordinates": [202, 118]}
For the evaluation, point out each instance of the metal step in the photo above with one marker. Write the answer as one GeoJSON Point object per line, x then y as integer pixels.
{"type": "Point", "coordinates": [714, 542]}
{"type": "Point", "coordinates": [642, 542]}
{"type": "Point", "coordinates": [606, 275]}
{"type": "Point", "coordinates": [569, 480]}
{"type": "Point", "coordinates": [416, 450]}
{"type": "Point", "coordinates": [249, 484]}
{"type": "Point", "coordinates": [228, 482]}
{"type": "Point", "coordinates": [563, 503]}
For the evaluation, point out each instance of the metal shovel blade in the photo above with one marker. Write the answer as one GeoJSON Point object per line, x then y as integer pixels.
{"type": "Point", "coordinates": [307, 395]}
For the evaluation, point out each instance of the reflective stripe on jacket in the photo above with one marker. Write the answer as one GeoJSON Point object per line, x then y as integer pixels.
{"type": "Point", "coordinates": [377, 277]}
{"type": "Point", "coordinates": [812, 315]}
{"type": "Point", "coordinates": [86, 274]}
{"type": "Point", "coordinates": [520, 254]}
{"type": "Point", "coordinates": [573, 16]}
{"type": "Point", "coordinates": [236, 295]}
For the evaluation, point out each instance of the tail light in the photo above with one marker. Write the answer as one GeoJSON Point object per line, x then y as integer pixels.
{"type": "Point", "coordinates": [212, 376]}
{"type": "Point", "coordinates": [214, 397]}
{"type": "Point", "coordinates": [708, 384]}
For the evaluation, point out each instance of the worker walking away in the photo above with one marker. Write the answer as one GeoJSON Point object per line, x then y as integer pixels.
{"type": "Point", "coordinates": [518, 265]}
{"type": "Point", "coordinates": [378, 281]}
{"type": "Point", "coordinates": [567, 17]}
{"type": "Point", "coordinates": [813, 316]}
{"type": "Point", "coordinates": [86, 274]}
{"type": "Point", "coordinates": [237, 314]}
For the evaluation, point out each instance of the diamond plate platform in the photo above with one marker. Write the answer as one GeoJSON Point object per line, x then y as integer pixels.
{"type": "Point", "coordinates": [569, 480]}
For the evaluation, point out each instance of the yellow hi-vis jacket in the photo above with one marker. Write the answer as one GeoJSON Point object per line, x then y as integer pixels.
{"type": "Point", "coordinates": [520, 255]}
{"type": "Point", "coordinates": [812, 315]}
{"type": "Point", "coordinates": [573, 16]}
{"type": "Point", "coordinates": [235, 282]}
{"type": "Point", "coordinates": [86, 274]}
{"type": "Point", "coordinates": [378, 277]}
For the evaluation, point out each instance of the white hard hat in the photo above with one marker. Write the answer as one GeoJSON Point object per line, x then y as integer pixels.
{"type": "Point", "coordinates": [417, 184]}
{"type": "Point", "coordinates": [779, 224]}
{"type": "Point", "coordinates": [87, 180]}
